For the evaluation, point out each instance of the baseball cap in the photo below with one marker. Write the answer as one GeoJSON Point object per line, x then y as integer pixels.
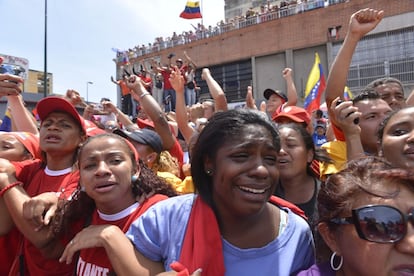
{"type": "Point", "coordinates": [143, 136]}
{"type": "Point", "coordinates": [52, 104]}
{"type": "Point", "coordinates": [29, 141]}
{"type": "Point", "coordinates": [268, 92]}
{"type": "Point", "coordinates": [294, 113]}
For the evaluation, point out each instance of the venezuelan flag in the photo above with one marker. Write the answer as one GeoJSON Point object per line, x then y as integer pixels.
{"type": "Point", "coordinates": [191, 11]}
{"type": "Point", "coordinates": [348, 94]}
{"type": "Point", "coordinates": [315, 86]}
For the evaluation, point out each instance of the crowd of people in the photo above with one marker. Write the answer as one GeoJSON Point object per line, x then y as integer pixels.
{"type": "Point", "coordinates": [186, 188]}
{"type": "Point", "coordinates": [254, 15]}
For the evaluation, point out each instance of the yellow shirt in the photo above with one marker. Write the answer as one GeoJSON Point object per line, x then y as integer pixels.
{"type": "Point", "coordinates": [181, 186]}
{"type": "Point", "coordinates": [337, 152]}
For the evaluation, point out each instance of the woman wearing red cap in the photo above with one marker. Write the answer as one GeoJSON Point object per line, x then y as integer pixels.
{"type": "Point", "coordinates": [62, 130]}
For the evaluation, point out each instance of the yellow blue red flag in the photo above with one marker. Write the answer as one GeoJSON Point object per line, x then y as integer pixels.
{"type": "Point", "coordinates": [315, 86]}
{"type": "Point", "coordinates": [348, 96]}
{"type": "Point", "coordinates": [192, 10]}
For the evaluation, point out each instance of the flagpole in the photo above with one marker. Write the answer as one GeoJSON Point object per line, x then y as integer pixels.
{"type": "Point", "coordinates": [45, 55]}
{"type": "Point", "coordinates": [202, 12]}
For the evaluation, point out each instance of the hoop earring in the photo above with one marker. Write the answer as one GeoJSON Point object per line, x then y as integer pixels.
{"type": "Point", "coordinates": [336, 268]}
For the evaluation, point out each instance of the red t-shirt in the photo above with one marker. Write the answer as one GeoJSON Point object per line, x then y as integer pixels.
{"type": "Point", "coordinates": [9, 245]}
{"type": "Point", "coordinates": [147, 80]}
{"type": "Point", "coordinates": [166, 75]}
{"type": "Point", "coordinates": [36, 181]}
{"type": "Point", "coordinates": [95, 259]}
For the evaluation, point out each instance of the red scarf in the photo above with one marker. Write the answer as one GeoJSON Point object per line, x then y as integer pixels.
{"type": "Point", "coordinates": [202, 247]}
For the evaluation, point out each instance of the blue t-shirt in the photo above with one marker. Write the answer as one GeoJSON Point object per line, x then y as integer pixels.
{"type": "Point", "coordinates": [319, 140]}
{"type": "Point", "coordinates": [159, 235]}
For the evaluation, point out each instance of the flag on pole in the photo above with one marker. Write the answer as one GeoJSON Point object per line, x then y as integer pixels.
{"type": "Point", "coordinates": [348, 96]}
{"type": "Point", "coordinates": [191, 11]}
{"type": "Point", "coordinates": [314, 86]}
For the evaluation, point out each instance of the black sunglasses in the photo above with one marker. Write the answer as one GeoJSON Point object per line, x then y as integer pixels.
{"type": "Point", "coordinates": [379, 223]}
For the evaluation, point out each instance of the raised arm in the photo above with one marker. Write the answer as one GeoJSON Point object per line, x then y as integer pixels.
{"type": "Point", "coordinates": [360, 24]}
{"type": "Point", "coordinates": [121, 117]}
{"type": "Point", "coordinates": [153, 110]}
{"type": "Point", "coordinates": [250, 103]}
{"type": "Point", "coordinates": [155, 67]}
{"type": "Point", "coordinates": [10, 86]}
{"type": "Point", "coordinates": [215, 90]}
{"type": "Point", "coordinates": [177, 82]}
{"type": "Point", "coordinates": [21, 117]}
{"type": "Point", "coordinates": [292, 94]}
{"type": "Point", "coordinates": [189, 60]}
{"type": "Point", "coordinates": [114, 81]}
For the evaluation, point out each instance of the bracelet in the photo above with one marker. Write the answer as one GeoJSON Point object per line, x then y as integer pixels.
{"type": "Point", "coordinates": [144, 94]}
{"type": "Point", "coordinates": [8, 187]}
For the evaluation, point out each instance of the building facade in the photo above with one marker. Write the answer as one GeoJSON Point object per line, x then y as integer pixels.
{"type": "Point", "coordinates": [255, 51]}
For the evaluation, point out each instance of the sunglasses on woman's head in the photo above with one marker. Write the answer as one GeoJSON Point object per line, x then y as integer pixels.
{"type": "Point", "coordinates": [379, 223]}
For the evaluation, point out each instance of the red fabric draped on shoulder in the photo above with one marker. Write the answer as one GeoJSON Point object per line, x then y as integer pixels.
{"type": "Point", "coordinates": [202, 247]}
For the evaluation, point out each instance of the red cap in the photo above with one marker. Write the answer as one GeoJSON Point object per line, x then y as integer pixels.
{"type": "Point", "coordinates": [51, 104]}
{"type": "Point", "coordinates": [29, 141]}
{"type": "Point", "coordinates": [294, 113]}
{"type": "Point", "coordinates": [144, 123]}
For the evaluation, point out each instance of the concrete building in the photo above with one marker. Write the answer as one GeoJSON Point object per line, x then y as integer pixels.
{"type": "Point", "coordinates": [254, 51]}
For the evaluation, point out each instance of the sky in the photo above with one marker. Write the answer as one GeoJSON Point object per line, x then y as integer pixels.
{"type": "Point", "coordinates": [82, 33]}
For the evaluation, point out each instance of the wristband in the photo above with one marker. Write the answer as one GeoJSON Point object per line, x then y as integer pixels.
{"type": "Point", "coordinates": [144, 94]}
{"type": "Point", "coordinates": [8, 187]}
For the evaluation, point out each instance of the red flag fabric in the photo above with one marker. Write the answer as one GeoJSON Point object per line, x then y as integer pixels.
{"type": "Point", "coordinates": [191, 10]}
